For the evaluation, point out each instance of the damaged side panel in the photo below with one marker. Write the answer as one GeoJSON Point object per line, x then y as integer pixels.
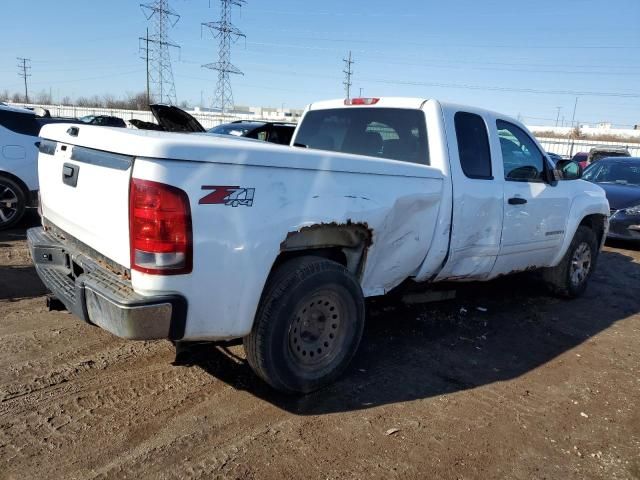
{"type": "Point", "coordinates": [383, 224]}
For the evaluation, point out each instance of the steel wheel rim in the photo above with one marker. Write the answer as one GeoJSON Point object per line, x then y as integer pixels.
{"type": "Point", "coordinates": [318, 330]}
{"type": "Point", "coordinates": [580, 264]}
{"type": "Point", "coordinates": [8, 204]}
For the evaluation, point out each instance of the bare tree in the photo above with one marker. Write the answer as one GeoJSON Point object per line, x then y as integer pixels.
{"type": "Point", "coordinates": [43, 98]}
{"type": "Point", "coordinates": [83, 102]}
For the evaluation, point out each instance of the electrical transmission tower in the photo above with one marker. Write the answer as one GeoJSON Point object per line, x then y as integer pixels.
{"type": "Point", "coordinates": [348, 73]}
{"type": "Point", "coordinates": [24, 67]}
{"type": "Point", "coordinates": [161, 88]}
{"type": "Point", "coordinates": [227, 34]}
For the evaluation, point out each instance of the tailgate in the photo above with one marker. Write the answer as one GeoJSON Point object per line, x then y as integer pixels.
{"type": "Point", "coordinates": [85, 192]}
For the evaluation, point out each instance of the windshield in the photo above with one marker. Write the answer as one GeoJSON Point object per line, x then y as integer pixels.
{"type": "Point", "coordinates": [394, 133]}
{"type": "Point", "coordinates": [624, 173]}
{"type": "Point", "coordinates": [232, 129]}
{"type": "Point", "coordinates": [87, 118]}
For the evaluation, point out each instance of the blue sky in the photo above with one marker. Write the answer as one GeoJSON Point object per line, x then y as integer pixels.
{"type": "Point", "coordinates": [520, 57]}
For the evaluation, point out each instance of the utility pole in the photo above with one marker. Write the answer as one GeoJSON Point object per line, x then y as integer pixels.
{"type": "Point", "coordinates": [157, 47]}
{"type": "Point", "coordinates": [348, 73]}
{"type": "Point", "coordinates": [145, 49]}
{"type": "Point", "coordinates": [360, 92]}
{"type": "Point", "coordinates": [573, 118]}
{"type": "Point", "coordinates": [227, 34]}
{"type": "Point", "coordinates": [573, 136]}
{"type": "Point", "coordinates": [24, 67]}
{"type": "Point", "coordinates": [558, 116]}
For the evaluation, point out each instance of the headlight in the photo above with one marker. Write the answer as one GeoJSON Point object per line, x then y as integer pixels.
{"type": "Point", "coordinates": [633, 210]}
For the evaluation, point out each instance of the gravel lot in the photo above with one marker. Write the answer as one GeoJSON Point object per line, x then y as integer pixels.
{"type": "Point", "coordinates": [533, 387]}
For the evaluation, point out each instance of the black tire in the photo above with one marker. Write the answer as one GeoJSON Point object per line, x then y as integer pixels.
{"type": "Point", "coordinates": [13, 202]}
{"type": "Point", "coordinates": [564, 280]}
{"type": "Point", "coordinates": [308, 326]}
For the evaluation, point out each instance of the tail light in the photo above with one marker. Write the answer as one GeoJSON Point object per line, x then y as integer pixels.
{"type": "Point", "coordinates": [361, 101]}
{"type": "Point", "coordinates": [159, 228]}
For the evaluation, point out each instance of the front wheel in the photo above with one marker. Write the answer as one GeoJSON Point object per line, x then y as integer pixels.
{"type": "Point", "coordinates": [13, 203]}
{"type": "Point", "coordinates": [570, 277]}
{"type": "Point", "coordinates": [308, 326]}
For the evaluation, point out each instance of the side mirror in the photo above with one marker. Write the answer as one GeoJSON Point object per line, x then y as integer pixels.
{"type": "Point", "coordinates": [569, 170]}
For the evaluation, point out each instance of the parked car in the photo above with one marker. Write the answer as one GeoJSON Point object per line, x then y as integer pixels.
{"type": "Point", "coordinates": [554, 157]}
{"type": "Point", "coordinates": [620, 179]}
{"type": "Point", "coordinates": [19, 128]}
{"type": "Point", "coordinates": [210, 238]}
{"type": "Point", "coordinates": [597, 153]}
{"type": "Point", "coordinates": [104, 121]}
{"type": "Point", "coordinates": [274, 132]}
{"type": "Point", "coordinates": [581, 158]}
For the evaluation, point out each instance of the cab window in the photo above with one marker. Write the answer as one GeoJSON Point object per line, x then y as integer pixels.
{"type": "Point", "coordinates": [473, 145]}
{"type": "Point", "coordinates": [523, 160]}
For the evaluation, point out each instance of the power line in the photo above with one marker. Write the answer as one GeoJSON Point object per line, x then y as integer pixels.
{"type": "Point", "coordinates": [288, 73]}
{"type": "Point", "coordinates": [227, 34]}
{"type": "Point", "coordinates": [24, 67]}
{"type": "Point", "coordinates": [347, 75]}
{"type": "Point", "coordinates": [157, 48]}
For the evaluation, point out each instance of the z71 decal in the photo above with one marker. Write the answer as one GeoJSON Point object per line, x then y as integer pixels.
{"type": "Point", "coordinates": [227, 195]}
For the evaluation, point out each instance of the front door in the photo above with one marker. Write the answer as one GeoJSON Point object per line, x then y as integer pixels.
{"type": "Point", "coordinates": [535, 211]}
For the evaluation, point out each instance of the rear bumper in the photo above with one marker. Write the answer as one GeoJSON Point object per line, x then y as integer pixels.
{"type": "Point", "coordinates": [98, 296]}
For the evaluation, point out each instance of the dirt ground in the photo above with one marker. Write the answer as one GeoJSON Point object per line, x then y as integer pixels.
{"type": "Point", "coordinates": [533, 387]}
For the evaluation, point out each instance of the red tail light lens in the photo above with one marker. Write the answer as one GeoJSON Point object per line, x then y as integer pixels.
{"type": "Point", "coordinates": [361, 101]}
{"type": "Point", "coordinates": [159, 228]}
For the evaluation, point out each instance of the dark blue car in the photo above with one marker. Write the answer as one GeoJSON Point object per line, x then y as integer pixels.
{"type": "Point", "coordinates": [620, 179]}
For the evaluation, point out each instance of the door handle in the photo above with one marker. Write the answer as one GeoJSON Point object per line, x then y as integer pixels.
{"type": "Point", "coordinates": [70, 174]}
{"type": "Point", "coordinates": [517, 201]}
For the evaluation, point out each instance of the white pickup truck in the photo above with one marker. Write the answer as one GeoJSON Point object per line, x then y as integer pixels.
{"type": "Point", "coordinates": [194, 237]}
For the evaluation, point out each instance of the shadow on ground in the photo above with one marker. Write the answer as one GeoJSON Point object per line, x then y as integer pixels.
{"type": "Point", "coordinates": [410, 353]}
{"type": "Point", "coordinates": [19, 232]}
{"type": "Point", "coordinates": [19, 281]}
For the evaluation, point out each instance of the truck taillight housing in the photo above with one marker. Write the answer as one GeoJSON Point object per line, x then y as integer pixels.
{"type": "Point", "coordinates": [159, 229]}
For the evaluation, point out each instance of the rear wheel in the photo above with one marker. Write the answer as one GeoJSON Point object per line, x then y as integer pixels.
{"type": "Point", "coordinates": [308, 327]}
{"type": "Point", "coordinates": [13, 202]}
{"type": "Point", "coordinates": [570, 277]}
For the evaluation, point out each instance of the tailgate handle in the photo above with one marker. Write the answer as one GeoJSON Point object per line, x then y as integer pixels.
{"type": "Point", "coordinates": [70, 174]}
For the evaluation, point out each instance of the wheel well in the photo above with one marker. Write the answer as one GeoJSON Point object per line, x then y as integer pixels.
{"type": "Point", "coordinates": [346, 244]}
{"type": "Point", "coordinates": [596, 223]}
{"type": "Point", "coordinates": [335, 254]}
{"type": "Point", "coordinates": [20, 183]}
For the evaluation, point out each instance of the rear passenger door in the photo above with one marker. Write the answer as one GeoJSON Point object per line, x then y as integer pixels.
{"type": "Point", "coordinates": [477, 198]}
{"type": "Point", "coordinates": [535, 211]}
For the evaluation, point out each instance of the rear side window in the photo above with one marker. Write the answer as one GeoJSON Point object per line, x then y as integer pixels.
{"type": "Point", "coordinates": [19, 122]}
{"type": "Point", "coordinates": [473, 145]}
{"type": "Point", "coordinates": [393, 133]}
{"type": "Point", "coordinates": [281, 134]}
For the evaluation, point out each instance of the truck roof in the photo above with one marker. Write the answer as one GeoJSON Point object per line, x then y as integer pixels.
{"type": "Point", "coordinates": [407, 102]}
